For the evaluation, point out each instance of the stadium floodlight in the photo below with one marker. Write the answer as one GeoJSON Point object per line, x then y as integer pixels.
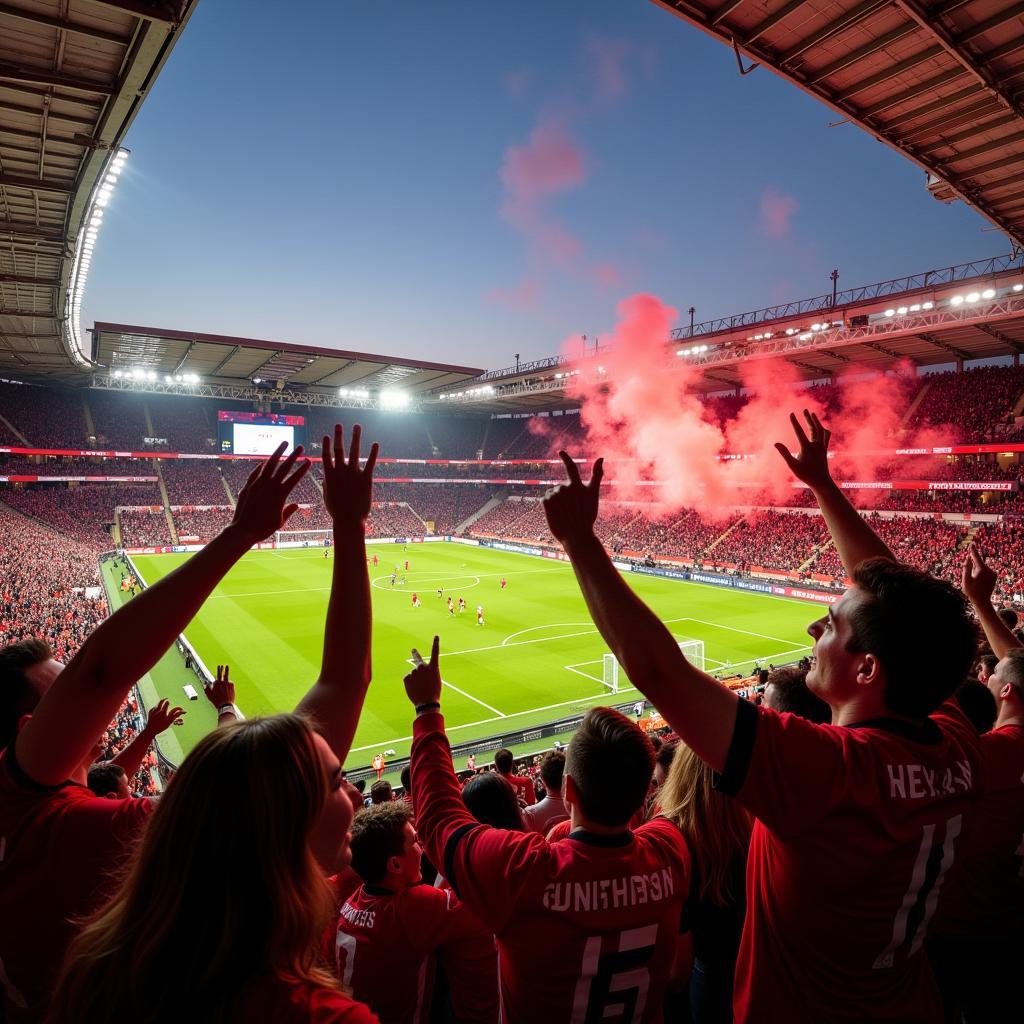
{"type": "Point", "coordinates": [927, 305]}
{"type": "Point", "coordinates": [890, 312]}
{"type": "Point", "coordinates": [957, 300]}
{"type": "Point", "coordinates": [790, 330]}
{"type": "Point", "coordinates": [972, 296]}
{"type": "Point", "coordinates": [916, 307]}
{"type": "Point", "coordinates": [988, 293]}
{"type": "Point", "coordinates": [768, 334]}
{"type": "Point", "coordinates": [83, 254]}
{"type": "Point", "coordinates": [901, 311]}
{"type": "Point", "coordinates": [392, 398]}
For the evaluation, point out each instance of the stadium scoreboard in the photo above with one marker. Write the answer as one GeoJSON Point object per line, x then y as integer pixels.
{"type": "Point", "coordinates": [253, 433]}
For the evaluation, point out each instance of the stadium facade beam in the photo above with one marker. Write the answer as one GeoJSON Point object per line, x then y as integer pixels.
{"type": "Point", "coordinates": [163, 13]}
{"type": "Point", "coordinates": [891, 353]}
{"type": "Point", "coordinates": [184, 358]}
{"type": "Point", "coordinates": [952, 349]}
{"type": "Point", "coordinates": [36, 313]}
{"type": "Point", "coordinates": [27, 229]}
{"type": "Point", "coordinates": [107, 382]}
{"type": "Point", "coordinates": [36, 184]}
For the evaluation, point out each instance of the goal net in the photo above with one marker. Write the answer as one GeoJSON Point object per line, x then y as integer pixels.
{"type": "Point", "coordinates": [302, 538]}
{"type": "Point", "coordinates": [693, 651]}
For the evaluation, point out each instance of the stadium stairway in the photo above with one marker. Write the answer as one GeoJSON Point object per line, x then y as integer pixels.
{"type": "Point", "coordinates": [227, 490]}
{"type": "Point", "coordinates": [90, 423]}
{"type": "Point", "coordinates": [718, 540]}
{"type": "Point", "coordinates": [15, 431]}
{"type": "Point", "coordinates": [804, 566]}
{"type": "Point", "coordinates": [493, 503]}
{"type": "Point", "coordinates": [912, 408]}
{"type": "Point", "coordinates": [167, 501]}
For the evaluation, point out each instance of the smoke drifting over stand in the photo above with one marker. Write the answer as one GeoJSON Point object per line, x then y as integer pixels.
{"type": "Point", "coordinates": [643, 411]}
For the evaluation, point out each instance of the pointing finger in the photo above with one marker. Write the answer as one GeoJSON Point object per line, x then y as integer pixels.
{"type": "Point", "coordinates": [571, 469]}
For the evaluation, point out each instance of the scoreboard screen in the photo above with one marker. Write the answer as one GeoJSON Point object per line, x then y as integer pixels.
{"type": "Point", "coordinates": [251, 433]}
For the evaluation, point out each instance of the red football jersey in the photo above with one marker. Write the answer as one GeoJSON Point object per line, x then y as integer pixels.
{"type": "Point", "coordinates": [985, 898]}
{"type": "Point", "coordinates": [290, 1001]}
{"type": "Point", "coordinates": [385, 943]}
{"type": "Point", "coordinates": [586, 927]}
{"type": "Point", "coordinates": [471, 964]}
{"type": "Point", "coordinates": [524, 788]}
{"type": "Point", "coordinates": [58, 847]}
{"type": "Point", "coordinates": [856, 830]}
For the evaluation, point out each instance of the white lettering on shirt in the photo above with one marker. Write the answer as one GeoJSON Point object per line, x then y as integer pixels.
{"type": "Point", "coordinates": [917, 781]}
{"type": "Point", "coordinates": [357, 918]}
{"type": "Point", "coordinates": [609, 893]}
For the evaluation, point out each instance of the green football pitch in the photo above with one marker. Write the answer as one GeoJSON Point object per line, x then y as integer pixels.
{"type": "Point", "coordinates": [537, 658]}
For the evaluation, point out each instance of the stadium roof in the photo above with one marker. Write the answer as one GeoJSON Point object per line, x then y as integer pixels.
{"type": "Point", "coordinates": [73, 74]}
{"type": "Point", "coordinates": [238, 362]}
{"type": "Point", "coordinates": [943, 84]}
{"type": "Point", "coordinates": [940, 317]}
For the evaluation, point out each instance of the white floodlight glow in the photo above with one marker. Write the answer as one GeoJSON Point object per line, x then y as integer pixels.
{"type": "Point", "coordinates": [151, 375]}
{"type": "Point", "coordinates": [116, 374]}
{"type": "Point", "coordinates": [392, 398]}
{"type": "Point", "coordinates": [137, 374]}
{"type": "Point", "coordinates": [806, 337]}
{"type": "Point", "coordinates": [972, 296]}
{"type": "Point", "coordinates": [790, 330]}
{"type": "Point", "coordinates": [901, 311]}
{"type": "Point", "coordinates": [957, 300]}
{"type": "Point", "coordinates": [1018, 287]}
{"type": "Point", "coordinates": [890, 312]}
{"type": "Point", "coordinates": [816, 327]}
{"type": "Point", "coordinates": [988, 293]}
{"type": "Point", "coordinates": [916, 307]}
{"type": "Point", "coordinates": [928, 305]}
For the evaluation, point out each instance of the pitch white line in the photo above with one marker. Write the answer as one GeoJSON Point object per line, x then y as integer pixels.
{"type": "Point", "coordinates": [487, 721]}
{"type": "Point", "coordinates": [477, 700]}
{"type": "Point", "coordinates": [735, 629]}
{"type": "Point", "coordinates": [550, 625]}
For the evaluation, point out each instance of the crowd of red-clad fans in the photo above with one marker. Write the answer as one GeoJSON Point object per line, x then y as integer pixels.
{"type": "Point", "coordinates": [191, 482]}
{"type": "Point", "coordinates": [141, 528]}
{"type": "Point", "coordinates": [196, 524]}
{"type": "Point", "coordinates": [841, 843]}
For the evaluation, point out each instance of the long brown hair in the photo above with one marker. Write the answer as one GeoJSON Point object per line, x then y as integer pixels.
{"type": "Point", "coordinates": [223, 888]}
{"type": "Point", "coordinates": [716, 827]}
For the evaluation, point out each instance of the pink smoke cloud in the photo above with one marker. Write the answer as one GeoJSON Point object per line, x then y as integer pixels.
{"type": "Point", "coordinates": [526, 296]}
{"type": "Point", "coordinates": [517, 83]}
{"type": "Point", "coordinates": [777, 210]}
{"type": "Point", "coordinates": [641, 409]}
{"type": "Point", "coordinates": [607, 57]}
{"type": "Point", "coordinates": [549, 163]}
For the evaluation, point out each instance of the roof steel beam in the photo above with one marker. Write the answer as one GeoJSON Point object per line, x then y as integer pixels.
{"type": "Point", "coordinates": [36, 184]}
{"type": "Point", "coordinates": [891, 353]}
{"type": "Point", "coordinates": [11, 72]}
{"type": "Point", "coordinates": [999, 336]}
{"type": "Point", "coordinates": [30, 230]}
{"type": "Point", "coordinates": [892, 71]}
{"type": "Point", "coordinates": [944, 104]}
{"type": "Point", "coordinates": [880, 43]}
{"type": "Point", "coordinates": [970, 115]}
{"type": "Point", "coordinates": [844, 21]}
{"type": "Point", "coordinates": [46, 315]}
{"type": "Point", "coordinates": [988, 147]}
{"type": "Point", "coordinates": [184, 358]}
{"type": "Point", "coordinates": [923, 89]}
{"type": "Point", "coordinates": [62, 24]}
{"type": "Point", "coordinates": [953, 45]}
{"type": "Point", "coordinates": [164, 13]}
{"type": "Point", "coordinates": [224, 362]}
{"type": "Point", "coordinates": [42, 282]}
{"type": "Point", "coordinates": [996, 165]}
{"type": "Point", "coordinates": [771, 21]}
{"type": "Point", "coordinates": [932, 340]}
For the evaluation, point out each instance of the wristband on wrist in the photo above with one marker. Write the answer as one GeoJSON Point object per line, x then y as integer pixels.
{"type": "Point", "coordinates": [223, 709]}
{"type": "Point", "coordinates": [430, 706]}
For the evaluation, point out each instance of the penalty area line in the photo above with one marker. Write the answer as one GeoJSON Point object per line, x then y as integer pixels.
{"type": "Point", "coordinates": [477, 700]}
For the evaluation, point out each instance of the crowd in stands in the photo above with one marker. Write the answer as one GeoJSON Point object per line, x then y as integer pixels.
{"type": "Point", "coordinates": [144, 529]}
{"type": "Point", "coordinates": [977, 402]}
{"type": "Point", "coordinates": [200, 524]}
{"type": "Point", "coordinates": [839, 843]}
{"type": "Point", "coordinates": [23, 465]}
{"type": "Point", "coordinates": [119, 420]}
{"type": "Point", "coordinates": [181, 423]}
{"type": "Point", "coordinates": [84, 512]}
{"type": "Point", "coordinates": [46, 417]}
{"type": "Point", "coordinates": [445, 506]}
{"type": "Point", "coordinates": [193, 482]}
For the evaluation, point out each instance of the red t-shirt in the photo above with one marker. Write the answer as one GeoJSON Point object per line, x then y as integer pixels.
{"type": "Point", "coordinates": [385, 942]}
{"type": "Point", "coordinates": [59, 847]}
{"type": "Point", "coordinates": [985, 898]}
{"type": "Point", "coordinates": [856, 829]}
{"type": "Point", "coordinates": [586, 928]}
{"type": "Point", "coordinates": [524, 788]}
{"type": "Point", "coordinates": [278, 1000]}
{"type": "Point", "coordinates": [471, 964]}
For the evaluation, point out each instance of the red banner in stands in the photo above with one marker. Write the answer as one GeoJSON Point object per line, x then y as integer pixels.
{"type": "Point", "coordinates": [25, 478]}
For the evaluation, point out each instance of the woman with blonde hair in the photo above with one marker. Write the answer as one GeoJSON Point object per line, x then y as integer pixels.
{"type": "Point", "coordinates": [717, 831]}
{"type": "Point", "coordinates": [221, 911]}
{"type": "Point", "coordinates": [224, 906]}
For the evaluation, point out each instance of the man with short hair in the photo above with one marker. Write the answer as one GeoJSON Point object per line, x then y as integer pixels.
{"type": "Point", "coordinates": [786, 691]}
{"type": "Point", "coordinates": [986, 666]}
{"type": "Point", "coordinates": [390, 928]}
{"type": "Point", "coordinates": [980, 925]}
{"type": "Point", "coordinates": [551, 810]}
{"type": "Point", "coordinates": [857, 822]}
{"type": "Point", "coordinates": [109, 781]}
{"type": "Point", "coordinates": [504, 763]}
{"type": "Point", "coordinates": [381, 792]}
{"type": "Point", "coordinates": [586, 927]}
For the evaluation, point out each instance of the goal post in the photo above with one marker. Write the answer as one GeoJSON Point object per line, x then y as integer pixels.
{"type": "Point", "coordinates": [693, 651]}
{"type": "Point", "coordinates": [302, 538]}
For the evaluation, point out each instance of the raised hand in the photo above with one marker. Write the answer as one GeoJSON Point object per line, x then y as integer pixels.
{"type": "Point", "coordinates": [162, 716]}
{"type": "Point", "coordinates": [810, 464]}
{"type": "Point", "coordinates": [222, 690]}
{"type": "Point", "coordinates": [979, 579]}
{"type": "Point", "coordinates": [571, 508]}
{"type": "Point", "coordinates": [348, 490]}
{"type": "Point", "coordinates": [423, 683]}
{"type": "Point", "coordinates": [263, 506]}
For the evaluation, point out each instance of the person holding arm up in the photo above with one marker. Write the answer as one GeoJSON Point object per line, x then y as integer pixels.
{"type": "Point", "coordinates": [857, 821]}
{"type": "Point", "coordinates": [59, 841]}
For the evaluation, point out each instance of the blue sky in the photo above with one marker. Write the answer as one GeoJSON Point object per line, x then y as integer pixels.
{"type": "Point", "coordinates": [462, 181]}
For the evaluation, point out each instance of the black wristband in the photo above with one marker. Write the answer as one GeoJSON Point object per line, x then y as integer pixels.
{"type": "Point", "coordinates": [432, 706]}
